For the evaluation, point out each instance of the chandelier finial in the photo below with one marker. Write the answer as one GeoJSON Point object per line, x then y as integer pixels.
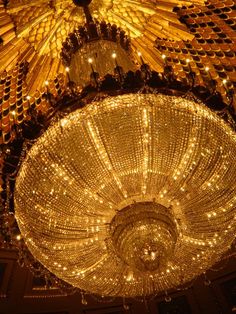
{"type": "Point", "coordinates": [85, 5]}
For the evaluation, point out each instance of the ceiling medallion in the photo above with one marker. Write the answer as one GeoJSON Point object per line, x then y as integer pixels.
{"type": "Point", "coordinates": [131, 195]}
{"type": "Point", "coordinates": [82, 3]}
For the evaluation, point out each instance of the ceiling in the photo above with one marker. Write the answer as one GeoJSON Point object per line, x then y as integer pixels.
{"type": "Point", "coordinates": [33, 31]}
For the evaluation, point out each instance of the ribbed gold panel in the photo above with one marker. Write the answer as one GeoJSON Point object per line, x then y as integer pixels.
{"type": "Point", "coordinates": [213, 46]}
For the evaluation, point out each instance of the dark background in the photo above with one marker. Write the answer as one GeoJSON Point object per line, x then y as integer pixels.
{"type": "Point", "coordinates": [21, 293]}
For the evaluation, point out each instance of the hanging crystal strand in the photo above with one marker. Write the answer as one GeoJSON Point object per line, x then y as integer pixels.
{"type": "Point", "coordinates": [147, 305]}
{"type": "Point", "coordinates": [145, 144]}
{"type": "Point", "coordinates": [167, 297]}
{"type": "Point", "coordinates": [8, 195]}
{"type": "Point", "coordinates": [207, 281]}
{"type": "Point", "coordinates": [83, 299]}
{"type": "Point", "coordinates": [125, 305]}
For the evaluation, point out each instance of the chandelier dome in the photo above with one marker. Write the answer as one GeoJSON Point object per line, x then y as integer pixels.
{"type": "Point", "coordinates": [131, 195]}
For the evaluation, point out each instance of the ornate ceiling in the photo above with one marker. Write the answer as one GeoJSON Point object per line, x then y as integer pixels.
{"type": "Point", "coordinates": [33, 32]}
{"type": "Point", "coordinates": [44, 25]}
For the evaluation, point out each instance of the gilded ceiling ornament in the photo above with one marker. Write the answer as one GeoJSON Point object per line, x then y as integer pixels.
{"type": "Point", "coordinates": [46, 24]}
{"type": "Point", "coordinates": [34, 31]}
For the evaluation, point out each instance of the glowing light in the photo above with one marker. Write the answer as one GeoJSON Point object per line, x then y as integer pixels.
{"type": "Point", "coordinates": [132, 188]}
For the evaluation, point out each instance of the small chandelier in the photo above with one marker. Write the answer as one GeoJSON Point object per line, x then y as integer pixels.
{"type": "Point", "coordinates": [130, 195]}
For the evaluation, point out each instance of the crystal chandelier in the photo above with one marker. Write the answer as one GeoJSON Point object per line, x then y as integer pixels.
{"type": "Point", "coordinates": [130, 195]}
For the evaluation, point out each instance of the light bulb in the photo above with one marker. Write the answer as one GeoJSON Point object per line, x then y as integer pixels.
{"type": "Point", "coordinates": [18, 237]}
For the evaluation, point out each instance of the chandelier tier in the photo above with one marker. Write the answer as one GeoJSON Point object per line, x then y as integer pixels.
{"type": "Point", "coordinates": [144, 235]}
{"type": "Point", "coordinates": [131, 195]}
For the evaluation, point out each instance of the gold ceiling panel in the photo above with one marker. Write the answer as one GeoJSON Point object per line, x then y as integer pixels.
{"type": "Point", "coordinates": [213, 46]}
{"type": "Point", "coordinates": [46, 24]}
{"type": "Point", "coordinates": [34, 31]}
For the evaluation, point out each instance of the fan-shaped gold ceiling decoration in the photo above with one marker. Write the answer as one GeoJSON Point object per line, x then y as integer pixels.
{"type": "Point", "coordinates": [22, 22]}
{"type": "Point", "coordinates": [44, 25]}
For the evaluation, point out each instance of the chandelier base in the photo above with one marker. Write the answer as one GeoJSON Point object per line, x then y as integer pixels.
{"type": "Point", "coordinates": [144, 235]}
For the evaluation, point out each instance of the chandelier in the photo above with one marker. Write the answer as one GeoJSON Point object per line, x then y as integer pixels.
{"type": "Point", "coordinates": [125, 186]}
{"type": "Point", "coordinates": [130, 195]}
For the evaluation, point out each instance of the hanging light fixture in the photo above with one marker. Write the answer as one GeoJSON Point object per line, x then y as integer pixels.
{"type": "Point", "coordinates": [131, 195]}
